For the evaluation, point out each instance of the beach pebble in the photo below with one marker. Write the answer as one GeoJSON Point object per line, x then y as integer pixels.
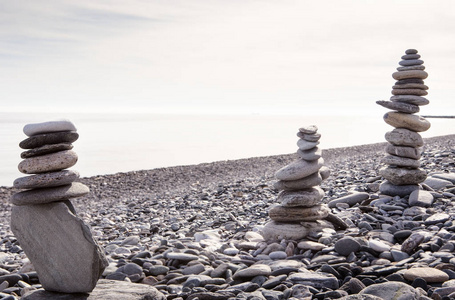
{"type": "Point", "coordinates": [51, 194]}
{"type": "Point", "coordinates": [400, 106]}
{"type": "Point", "coordinates": [402, 151]}
{"type": "Point", "coordinates": [411, 99]}
{"type": "Point", "coordinates": [412, 122]}
{"type": "Point", "coordinates": [46, 149]}
{"type": "Point", "coordinates": [49, 138]}
{"type": "Point", "coordinates": [378, 246]}
{"type": "Point", "coordinates": [298, 214]}
{"type": "Point", "coordinates": [400, 161]}
{"type": "Point", "coordinates": [410, 74]}
{"type": "Point", "coordinates": [305, 197]}
{"type": "Point", "coordinates": [254, 270]}
{"type": "Point", "coordinates": [50, 162]}
{"type": "Point", "coordinates": [48, 127]}
{"type": "Point", "coordinates": [347, 245]}
{"type": "Point", "coordinates": [403, 176]}
{"type": "Point", "coordinates": [420, 198]}
{"type": "Point", "coordinates": [299, 184]}
{"type": "Point", "coordinates": [299, 169]}
{"type": "Point", "coordinates": [404, 137]}
{"type": "Point", "coordinates": [428, 274]}
{"type": "Point", "coordinates": [311, 154]}
{"type": "Point", "coordinates": [390, 290]}
{"type": "Point", "coordinates": [46, 179]}
{"type": "Point", "coordinates": [350, 199]}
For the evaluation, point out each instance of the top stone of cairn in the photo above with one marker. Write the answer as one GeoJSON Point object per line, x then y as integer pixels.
{"type": "Point", "coordinates": [49, 127]}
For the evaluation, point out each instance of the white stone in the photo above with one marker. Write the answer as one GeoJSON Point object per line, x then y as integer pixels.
{"type": "Point", "coordinates": [47, 127]}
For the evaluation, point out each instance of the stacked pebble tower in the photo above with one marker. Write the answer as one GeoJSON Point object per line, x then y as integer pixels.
{"type": "Point", "coordinates": [404, 150]}
{"type": "Point", "coordinates": [59, 244]}
{"type": "Point", "coordinates": [300, 209]}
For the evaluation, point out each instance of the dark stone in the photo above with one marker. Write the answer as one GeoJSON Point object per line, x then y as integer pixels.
{"type": "Point", "coordinates": [46, 149]}
{"type": "Point", "coordinates": [409, 80]}
{"type": "Point", "coordinates": [421, 283]}
{"type": "Point", "coordinates": [49, 138]}
{"type": "Point", "coordinates": [395, 277]}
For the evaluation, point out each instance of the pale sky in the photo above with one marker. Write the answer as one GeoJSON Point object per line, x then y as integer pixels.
{"type": "Point", "coordinates": [220, 55]}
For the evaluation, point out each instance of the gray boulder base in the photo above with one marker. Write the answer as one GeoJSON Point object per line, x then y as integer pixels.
{"type": "Point", "coordinates": [104, 290]}
{"type": "Point", "coordinates": [73, 261]}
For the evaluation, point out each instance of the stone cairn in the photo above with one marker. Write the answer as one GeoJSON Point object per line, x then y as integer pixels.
{"type": "Point", "coordinates": [402, 172]}
{"type": "Point", "coordinates": [58, 243]}
{"type": "Point", "coordinates": [301, 211]}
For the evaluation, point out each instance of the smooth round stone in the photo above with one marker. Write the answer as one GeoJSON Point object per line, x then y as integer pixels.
{"type": "Point", "coordinates": [411, 99]}
{"type": "Point", "coordinates": [399, 106]}
{"type": "Point", "coordinates": [278, 255]}
{"type": "Point", "coordinates": [437, 183]}
{"type": "Point", "coordinates": [410, 68]}
{"type": "Point", "coordinates": [402, 151]}
{"type": "Point", "coordinates": [411, 51]}
{"type": "Point", "coordinates": [415, 92]}
{"type": "Point", "coordinates": [325, 172]}
{"type": "Point", "coordinates": [378, 246]}
{"type": "Point", "coordinates": [312, 129]}
{"type": "Point", "coordinates": [347, 245]}
{"type": "Point", "coordinates": [51, 194]}
{"type": "Point", "coordinates": [306, 197]}
{"type": "Point", "coordinates": [298, 214]}
{"type": "Point", "coordinates": [388, 290]}
{"type": "Point", "coordinates": [400, 161]}
{"type": "Point", "coordinates": [430, 275]}
{"type": "Point", "coordinates": [50, 162]}
{"type": "Point", "coordinates": [407, 121]}
{"type": "Point", "coordinates": [410, 86]}
{"type": "Point", "coordinates": [437, 218]}
{"type": "Point", "coordinates": [410, 74]}
{"type": "Point", "coordinates": [411, 56]}
{"type": "Point", "coordinates": [410, 62]}
{"type": "Point", "coordinates": [231, 251]}
{"type": "Point", "coordinates": [404, 137]}
{"type": "Point", "coordinates": [421, 198]}
{"type": "Point", "coordinates": [299, 169]}
{"type": "Point", "coordinates": [304, 183]}
{"type": "Point", "coordinates": [311, 154]}
{"type": "Point", "coordinates": [305, 145]}
{"type": "Point", "coordinates": [390, 189]}
{"type": "Point", "coordinates": [46, 180]}
{"type": "Point", "coordinates": [403, 176]}
{"type": "Point", "coordinates": [46, 149]}
{"type": "Point", "coordinates": [446, 176]}
{"type": "Point", "coordinates": [48, 127]}
{"type": "Point", "coordinates": [49, 138]}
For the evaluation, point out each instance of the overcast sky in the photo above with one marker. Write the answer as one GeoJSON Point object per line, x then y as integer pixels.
{"type": "Point", "coordinates": [220, 55]}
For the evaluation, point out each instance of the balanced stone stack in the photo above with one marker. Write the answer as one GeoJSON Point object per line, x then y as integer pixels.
{"type": "Point", "coordinates": [301, 210]}
{"type": "Point", "coordinates": [402, 172]}
{"type": "Point", "coordinates": [58, 243]}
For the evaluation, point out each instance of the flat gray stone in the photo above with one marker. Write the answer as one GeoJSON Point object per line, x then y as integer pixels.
{"type": "Point", "coordinates": [421, 198]}
{"type": "Point", "coordinates": [324, 172]}
{"type": "Point", "coordinates": [404, 137]}
{"type": "Point", "coordinates": [182, 256]}
{"type": "Point", "coordinates": [304, 183]}
{"type": "Point", "coordinates": [403, 176]}
{"type": "Point", "coordinates": [50, 194]}
{"type": "Point", "coordinates": [306, 145]}
{"type": "Point", "coordinates": [410, 68]}
{"type": "Point", "coordinates": [280, 213]}
{"type": "Point", "coordinates": [48, 127]}
{"type": "Point", "coordinates": [412, 122]}
{"type": "Point", "coordinates": [403, 151]}
{"type": "Point", "coordinates": [60, 246]}
{"type": "Point", "coordinates": [420, 86]}
{"type": "Point", "coordinates": [411, 99]}
{"type": "Point", "coordinates": [446, 176]}
{"type": "Point", "coordinates": [277, 231]}
{"type": "Point", "coordinates": [49, 138]}
{"type": "Point", "coordinates": [437, 218]}
{"type": "Point", "coordinates": [351, 199]}
{"type": "Point", "coordinates": [49, 162]}
{"type": "Point", "coordinates": [399, 106]}
{"type": "Point", "coordinates": [391, 290]}
{"type": "Point", "coordinates": [411, 56]}
{"type": "Point", "coordinates": [415, 92]}
{"type": "Point", "coordinates": [252, 271]}
{"type": "Point", "coordinates": [437, 183]}
{"type": "Point", "coordinates": [400, 161]}
{"type": "Point", "coordinates": [312, 154]}
{"type": "Point", "coordinates": [410, 74]}
{"type": "Point", "coordinates": [305, 198]}
{"type": "Point", "coordinates": [46, 149]}
{"type": "Point", "coordinates": [46, 180]}
{"type": "Point", "coordinates": [390, 189]}
{"type": "Point", "coordinates": [428, 274]}
{"type": "Point", "coordinates": [314, 279]}
{"type": "Point", "coordinates": [309, 137]}
{"type": "Point", "coordinates": [410, 62]}
{"type": "Point", "coordinates": [104, 290]}
{"type": "Point", "coordinates": [299, 169]}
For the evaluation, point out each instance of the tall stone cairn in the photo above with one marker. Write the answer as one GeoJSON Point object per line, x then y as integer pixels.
{"type": "Point", "coordinates": [58, 243]}
{"type": "Point", "coordinates": [300, 211]}
{"type": "Point", "coordinates": [403, 173]}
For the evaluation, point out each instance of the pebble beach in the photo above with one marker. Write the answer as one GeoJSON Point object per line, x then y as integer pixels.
{"type": "Point", "coordinates": [194, 232]}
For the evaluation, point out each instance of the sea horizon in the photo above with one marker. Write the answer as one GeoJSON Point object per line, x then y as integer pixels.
{"type": "Point", "coordinates": [110, 143]}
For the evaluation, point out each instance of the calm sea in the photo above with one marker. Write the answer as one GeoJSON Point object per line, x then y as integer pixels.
{"type": "Point", "coordinates": [111, 143]}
